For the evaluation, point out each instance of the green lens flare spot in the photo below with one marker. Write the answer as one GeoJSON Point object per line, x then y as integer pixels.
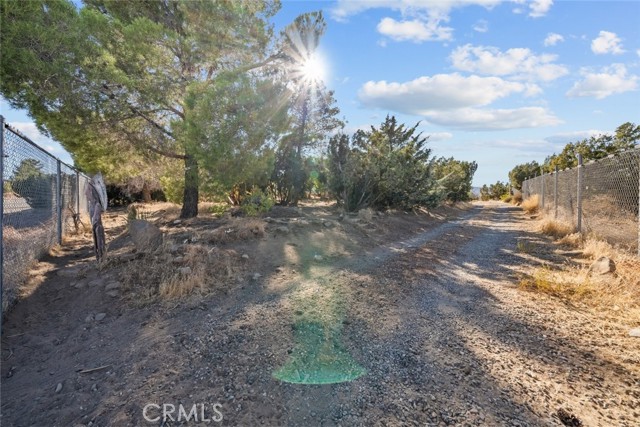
{"type": "Point", "coordinates": [319, 357]}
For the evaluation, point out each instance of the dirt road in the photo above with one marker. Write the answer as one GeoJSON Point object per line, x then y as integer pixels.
{"type": "Point", "coordinates": [430, 328]}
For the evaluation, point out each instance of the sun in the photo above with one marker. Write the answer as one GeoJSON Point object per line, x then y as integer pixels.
{"type": "Point", "coordinates": [313, 69]}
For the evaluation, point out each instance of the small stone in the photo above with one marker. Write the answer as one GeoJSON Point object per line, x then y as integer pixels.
{"type": "Point", "coordinates": [185, 271]}
{"type": "Point", "coordinates": [100, 316]}
{"type": "Point", "coordinates": [283, 229]}
{"type": "Point", "coordinates": [256, 276]}
{"type": "Point", "coordinates": [111, 286]}
{"type": "Point", "coordinates": [178, 260]}
{"type": "Point", "coordinates": [603, 265]}
{"type": "Point", "coordinates": [59, 388]}
{"type": "Point", "coordinates": [89, 318]}
{"type": "Point", "coordinates": [177, 221]}
{"type": "Point", "coordinates": [635, 332]}
{"type": "Point", "coordinates": [78, 285]}
{"type": "Point", "coordinates": [318, 257]}
{"type": "Point", "coordinates": [328, 224]}
{"type": "Point", "coordinates": [245, 256]}
{"type": "Point", "coordinates": [94, 387]}
{"type": "Point", "coordinates": [113, 293]}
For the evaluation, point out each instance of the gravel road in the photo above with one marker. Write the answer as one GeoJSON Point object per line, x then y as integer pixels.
{"type": "Point", "coordinates": [435, 320]}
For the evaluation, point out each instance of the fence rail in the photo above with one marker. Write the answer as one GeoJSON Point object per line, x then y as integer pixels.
{"type": "Point", "coordinates": [600, 197]}
{"type": "Point", "coordinates": [42, 200]}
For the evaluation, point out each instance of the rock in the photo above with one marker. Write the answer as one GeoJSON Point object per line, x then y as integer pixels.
{"type": "Point", "coordinates": [100, 316]}
{"type": "Point", "coordinates": [328, 224]}
{"type": "Point", "coordinates": [283, 229]}
{"type": "Point", "coordinates": [185, 271]}
{"type": "Point", "coordinates": [603, 265]}
{"type": "Point", "coordinates": [178, 260]}
{"type": "Point", "coordinates": [635, 332]}
{"type": "Point", "coordinates": [256, 276]}
{"type": "Point", "coordinates": [89, 318]}
{"type": "Point", "coordinates": [245, 256]}
{"type": "Point", "coordinates": [96, 282]}
{"type": "Point", "coordinates": [113, 293]}
{"type": "Point", "coordinates": [146, 236]}
{"type": "Point", "coordinates": [177, 222]}
{"type": "Point", "coordinates": [111, 286]}
{"type": "Point", "coordinates": [318, 257]}
{"type": "Point", "coordinates": [365, 214]}
{"type": "Point", "coordinates": [78, 285]}
{"type": "Point", "coordinates": [59, 388]}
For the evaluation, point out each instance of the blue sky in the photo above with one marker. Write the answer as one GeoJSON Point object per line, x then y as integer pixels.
{"type": "Point", "coordinates": [498, 82]}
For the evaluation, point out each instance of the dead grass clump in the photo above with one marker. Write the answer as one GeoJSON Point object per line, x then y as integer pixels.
{"type": "Point", "coordinates": [573, 240]}
{"type": "Point", "coordinates": [531, 204]}
{"type": "Point", "coordinates": [195, 269]}
{"type": "Point", "coordinates": [556, 284]}
{"type": "Point", "coordinates": [516, 199]}
{"type": "Point", "coordinates": [556, 229]}
{"type": "Point", "coordinates": [619, 292]}
{"type": "Point", "coordinates": [236, 229]}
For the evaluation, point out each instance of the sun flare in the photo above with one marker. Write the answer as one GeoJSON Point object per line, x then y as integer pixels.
{"type": "Point", "coordinates": [313, 69]}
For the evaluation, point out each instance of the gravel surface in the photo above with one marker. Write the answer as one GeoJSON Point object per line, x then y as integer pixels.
{"type": "Point", "coordinates": [436, 320]}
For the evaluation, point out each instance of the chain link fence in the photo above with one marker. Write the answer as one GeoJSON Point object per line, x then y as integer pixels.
{"type": "Point", "coordinates": [598, 198]}
{"type": "Point", "coordinates": [42, 200]}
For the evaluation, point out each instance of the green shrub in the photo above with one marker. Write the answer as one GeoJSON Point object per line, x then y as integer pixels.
{"type": "Point", "coordinates": [257, 203]}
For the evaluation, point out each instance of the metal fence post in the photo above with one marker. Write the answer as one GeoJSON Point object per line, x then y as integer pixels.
{"type": "Point", "coordinates": [59, 200]}
{"type": "Point", "coordinates": [78, 194]}
{"type": "Point", "coordinates": [542, 191]}
{"type": "Point", "coordinates": [579, 195]}
{"type": "Point", "coordinates": [1, 217]}
{"type": "Point", "coordinates": [555, 194]}
{"type": "Point", "coordinates": [639, 207]}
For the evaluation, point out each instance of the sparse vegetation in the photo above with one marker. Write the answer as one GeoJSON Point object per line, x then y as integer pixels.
{"type": "Point", "coordinates": [556, 229]}
{"type": "Point", "coordinates": [531, 204]}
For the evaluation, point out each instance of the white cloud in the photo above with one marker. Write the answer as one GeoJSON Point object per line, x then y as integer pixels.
{"type": "Point", "coordinates": [564, 138]}
{"type": "Point", "coordinates": [517, 62]}
{"type": "Point", "coordinates": [482, 26]}
{"type": "Point", "coordinates": [30, 130]}
{"type": "Point", "coordinates": [607, 42]}
{"type": "Point", "coordinates": [612, 80]}
{"type": "Point", "coordinates": [423, 20]}
{"type": "Point", "coordinates": [439, 136]}
{"type": "Point", "coordinates": [453, 100]}
{"type": "Point", "coordinates": [441, 91]}
{"type": "Point", "coordinates": [413, 30]}
{"type": "Point", "coordinates": [475, 119]}
{"type": "Point", "coordinates": [638, 52]}
{"type": "Point", "coordinates": [553, 39]}
{"type": "Point", "coordinates": [539, 8]}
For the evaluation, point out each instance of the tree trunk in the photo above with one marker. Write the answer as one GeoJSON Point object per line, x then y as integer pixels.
{"type": "Point", "coordinates": [191, 184]}
{"type": "Point", "coordinates": [146, 193]}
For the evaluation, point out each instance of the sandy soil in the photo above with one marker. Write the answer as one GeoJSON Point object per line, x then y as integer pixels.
{"type": "Point", "coordinates": [425, 305]}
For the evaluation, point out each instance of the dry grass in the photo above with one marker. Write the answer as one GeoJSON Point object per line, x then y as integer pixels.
{"type": "Point", "coordinates": [531, 204]}
{"type": "Point", "coordinates": [195, 269]}
{"type": "Point", "coordinates": [516, 199]}
{"type": "Point", "coordinates": [618, 292]}
{"type": "Point", "coordinates": [556, 229]}
{"type": "Point", "coordinates": [236, 229]}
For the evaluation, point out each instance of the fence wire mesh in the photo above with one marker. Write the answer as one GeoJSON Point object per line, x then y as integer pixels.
{"type": "Point", "coordinates": [610, 190]}
{"type": "Point", "coordinates": [42, 200]}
